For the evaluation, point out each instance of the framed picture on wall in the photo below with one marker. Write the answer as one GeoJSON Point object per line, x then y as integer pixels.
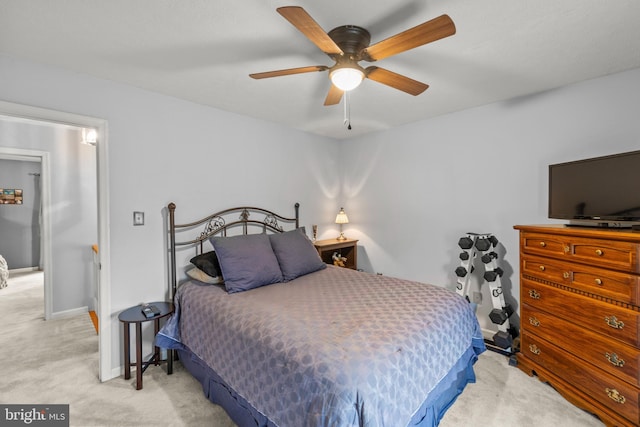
{"type": "Point", "coordinates": [10, 196]}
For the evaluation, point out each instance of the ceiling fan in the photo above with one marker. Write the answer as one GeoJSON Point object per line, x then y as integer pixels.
{"type": "Point", "coordinates": [349, 44]}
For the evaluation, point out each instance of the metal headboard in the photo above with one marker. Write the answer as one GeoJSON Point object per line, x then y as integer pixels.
{"type": "Point", "coordinates": [220, 223]}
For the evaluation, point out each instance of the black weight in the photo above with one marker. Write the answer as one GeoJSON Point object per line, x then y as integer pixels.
{"type": "Point", "coordinates": [464, 256]}
{"type": "Point", "coordinates": [483, 244]}
{"type": "Point", "coordinates": [494, 240]}
{"type": "Point", "coordinates": [500, 315]}
{"type": "Point", "coordinates": [465, 243]}
{"type": "Point", "coordinates": [503, 339]}
{"type": "Point", "coordinates": [486, 258]}
{"type": "Point", "coordinates": [461, 271]}
{"type": "Point", "coordinates": [492, 275]}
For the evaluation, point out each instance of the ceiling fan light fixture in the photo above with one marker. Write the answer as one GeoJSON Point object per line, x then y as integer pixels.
{"type": "Point", "coordinates": [346, 78]}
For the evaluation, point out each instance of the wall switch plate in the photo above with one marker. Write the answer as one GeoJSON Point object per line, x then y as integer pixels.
{"type": "Point", "coordinates": [138, 218]}
{"type": "Point", "coordinates": [477, 297]}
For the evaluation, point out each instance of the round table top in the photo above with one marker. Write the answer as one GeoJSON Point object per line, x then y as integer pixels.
{"type": "Point", "coordinates": [134, 314]}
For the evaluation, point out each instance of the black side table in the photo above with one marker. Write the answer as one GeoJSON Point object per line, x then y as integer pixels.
{"type": "Point", "coordinates": [135, 315]}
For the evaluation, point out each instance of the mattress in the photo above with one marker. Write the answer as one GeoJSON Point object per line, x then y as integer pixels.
{"type": "Point", "coordinates": [336, 347]}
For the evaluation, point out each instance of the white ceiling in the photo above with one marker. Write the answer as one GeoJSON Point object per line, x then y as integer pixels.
{"type": "Point", "coordinates": [203, 51]}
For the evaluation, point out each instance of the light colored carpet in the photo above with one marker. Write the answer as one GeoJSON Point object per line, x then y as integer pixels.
{"type": "Point", "coordinates": [57, 362]}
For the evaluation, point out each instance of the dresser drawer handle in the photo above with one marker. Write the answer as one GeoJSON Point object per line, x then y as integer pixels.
{"type": "Point", "coordinates": [534, 349]}
{"type": "Point", "coordinates": [542, 268]}
{"type": "Point", "coordinates": [598, 281]}
{"type": "Point", "coordinates": [614, 322]}
{"type": "Point", "coordinates": [599, 252]}
{"type": "Point", "coordinates": [535, 322]}
{"type": "Point", "coordinates": [534, 294]}
{"type": "Point", "coordinates": [566, 249]}
{"type": "Point", "coordinates": [614, 360]}
{"type": "Point", "coordinates": [615, 395]}
{"type": "Point", "coordinates": [543, 244]}
{"type": "Point", "coordinates": [566, 274]}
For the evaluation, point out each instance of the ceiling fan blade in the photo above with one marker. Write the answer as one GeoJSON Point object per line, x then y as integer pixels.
{"type": "Point", "coordinates": [427, 32]}
{"type": "Point", "coordinates": [300, 19]}
{"type": "Point", "coordinates": [334, 96]}
{"type": "Point", "coordinates": [288, 71]}
{"type": "Point", "coordinates": [395, 80]}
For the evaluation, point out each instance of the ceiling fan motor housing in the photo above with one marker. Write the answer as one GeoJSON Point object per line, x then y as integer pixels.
{"type": "Point", "coordinates": [351, 39]}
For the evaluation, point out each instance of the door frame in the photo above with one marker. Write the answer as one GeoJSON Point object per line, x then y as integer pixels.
{"type": "Point", "coordinates": [27, 112]}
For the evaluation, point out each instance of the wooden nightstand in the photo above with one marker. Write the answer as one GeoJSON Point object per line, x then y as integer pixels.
{"type": "Point", "coordinates": [347, 248]}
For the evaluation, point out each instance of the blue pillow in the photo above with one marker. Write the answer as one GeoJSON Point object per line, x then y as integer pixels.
{"type": "Point", "coordinates": [296, 254]}
{"type": "Point", "coordinates": [246, 261]}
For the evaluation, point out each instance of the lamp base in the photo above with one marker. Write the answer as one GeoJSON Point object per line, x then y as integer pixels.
{"type": "Point", "coordinates": [341, 237]}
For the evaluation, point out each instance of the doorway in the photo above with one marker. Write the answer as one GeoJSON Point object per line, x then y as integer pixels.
{"type": "Point", "coordinates": [42, 157]}
{"type": "Point", "coordinates": [29, 113]}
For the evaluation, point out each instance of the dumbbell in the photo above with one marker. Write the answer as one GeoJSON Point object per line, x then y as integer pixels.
{"type": "Point", "coordinates": [483, 244]}
{"type": "Point", "coordinates": [486, 258]}
{"type": "Point", "coordinates": [465, 243]}
{"type": "Point", "coordinates": [503, 339]}
{"type": "Point", "coordinates": [464, 256]}
{"type": "Point", "coordinates": [461, 271]}
{"type": "Point", "coordinates": [500, 315]}
{"type": "Point", "coordinates": [494, 240]}
{"type": "Point", "coordinates": [492, 275]}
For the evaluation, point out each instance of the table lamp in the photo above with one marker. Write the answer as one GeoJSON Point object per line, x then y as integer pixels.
{"type": "Point", "coordinates": [342, 218]}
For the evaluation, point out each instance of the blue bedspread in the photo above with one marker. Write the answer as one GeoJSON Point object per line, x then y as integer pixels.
{"type": "Point", "coordinates": [333, 348]}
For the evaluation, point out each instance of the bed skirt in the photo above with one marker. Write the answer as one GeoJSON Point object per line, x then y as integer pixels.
{"type": "Point", "coordinates": [244, 415]}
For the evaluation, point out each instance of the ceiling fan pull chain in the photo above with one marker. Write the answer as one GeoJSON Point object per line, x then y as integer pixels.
{"type": "Point", "coordinates": [347, 110]}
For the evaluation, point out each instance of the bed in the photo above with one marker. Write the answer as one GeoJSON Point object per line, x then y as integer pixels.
{"type": "Point", "coordinates": [278, 338]}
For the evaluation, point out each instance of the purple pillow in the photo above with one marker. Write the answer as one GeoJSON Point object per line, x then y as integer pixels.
{"type": "Point", "coordinates": [296, 254]}
{"type": "Point", "coordinates": [246, 261]}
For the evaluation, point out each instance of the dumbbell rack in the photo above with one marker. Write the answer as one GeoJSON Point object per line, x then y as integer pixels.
{"type": "Point", "coordinates": [475, 245]}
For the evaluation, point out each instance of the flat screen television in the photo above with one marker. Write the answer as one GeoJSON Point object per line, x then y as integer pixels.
{"type": "Point", "coordinates": [601, 191]}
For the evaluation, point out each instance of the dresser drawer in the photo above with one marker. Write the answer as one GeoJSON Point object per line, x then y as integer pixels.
{"type": "Point", "coordinates": [549, 269]}
{"type": "Point", "coordinates": [622, 256]}
{"type": "Point", "coordinates": [615, 394]}
{"type": "Point", "coordinates": [607, 354]}
{"type": "Point", "coordinates": [605, 253]}
{"type": "Point", "coordinates": [605, 318]}
{"type": "Point", "coordinates": [544, 244]}
{"type": "Point", "coordinates": [608, 283]}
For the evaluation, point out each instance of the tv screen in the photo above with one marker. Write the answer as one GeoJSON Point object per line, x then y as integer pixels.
{"type": "Point", "coordinates": [603, 190]}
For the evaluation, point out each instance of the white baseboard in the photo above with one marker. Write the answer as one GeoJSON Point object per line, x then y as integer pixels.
{"type": "Point", "coordinates": [69, 313]}
{"type": "Point", "coordinates": [23, 270]}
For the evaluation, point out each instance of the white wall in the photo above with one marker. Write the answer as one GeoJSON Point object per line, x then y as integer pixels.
{"type": "Point", "coordinates": [412, 192]}
{"type": "Point", "coordinates": [163, 149]}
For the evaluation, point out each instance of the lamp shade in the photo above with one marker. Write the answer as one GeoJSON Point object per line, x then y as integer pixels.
{"type": "Point", "coordinates": [346, 78]}
{"type": "Point", "coordinates": [342, 217]}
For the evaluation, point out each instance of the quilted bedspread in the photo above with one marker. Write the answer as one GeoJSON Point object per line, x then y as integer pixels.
{"type": "Point", "coordinates": [332, 348]}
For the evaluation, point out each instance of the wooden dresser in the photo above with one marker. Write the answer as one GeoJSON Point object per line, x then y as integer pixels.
{"type": "Point", "coordinates": [580, 316]}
